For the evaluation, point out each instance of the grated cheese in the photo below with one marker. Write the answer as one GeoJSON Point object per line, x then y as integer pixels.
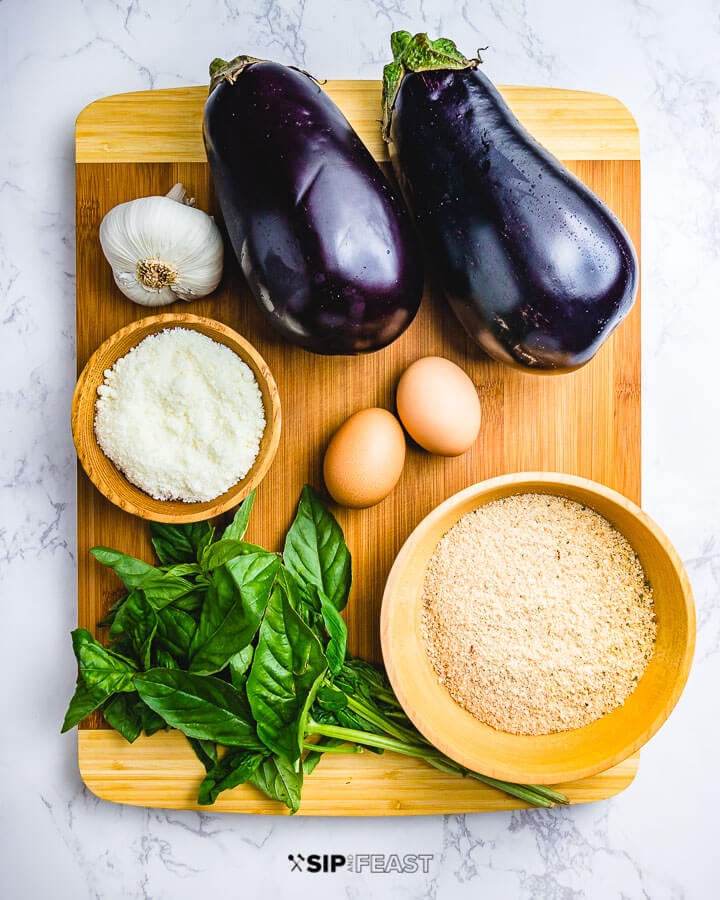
{"type": "Point", "coordinates": [181, 416]}
{"type": "Point", "coordinates": [537, 616]}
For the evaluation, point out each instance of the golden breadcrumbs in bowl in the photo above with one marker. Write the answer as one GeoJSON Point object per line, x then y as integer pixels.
{"type": "Point", "coordinates": [538, 627]}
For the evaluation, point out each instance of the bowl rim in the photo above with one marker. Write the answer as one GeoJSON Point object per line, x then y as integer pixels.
{"type": "Point", "coordinates": [401, 646]}
{"type": "Point", "coordinates": [102, 471]}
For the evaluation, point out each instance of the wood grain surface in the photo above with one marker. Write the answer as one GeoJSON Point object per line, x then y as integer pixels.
{"type": "Point", "coordinates": [165, 125]}
{"type": "Point", "coordinates": [586, 423]}
{"type": "Point", "coordinates": [163, 771]}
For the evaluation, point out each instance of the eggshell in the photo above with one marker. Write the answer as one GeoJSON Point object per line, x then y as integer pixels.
{"type": "Point", "coordinates": [364, 458]}
{"type": "Point", "coordinates": [438, 405]}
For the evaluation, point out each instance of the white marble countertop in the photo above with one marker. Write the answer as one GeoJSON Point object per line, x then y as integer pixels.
{"type": "Point", "coordinates": [659, 838]}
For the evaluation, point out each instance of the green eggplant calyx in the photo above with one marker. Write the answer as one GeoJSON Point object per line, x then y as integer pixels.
{"type": "Point", "coordinates": [416, 54]}
{"type": "Point", "coordinates": [221, 70]}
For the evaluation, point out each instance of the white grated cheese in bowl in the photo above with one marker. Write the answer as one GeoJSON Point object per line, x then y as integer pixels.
{"type": "Point", "coordinates": [181, 416]}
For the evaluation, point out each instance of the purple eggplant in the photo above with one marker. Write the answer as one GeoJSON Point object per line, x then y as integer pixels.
{"type": "Point", "coordinates": [326, 244]}
{"type": "Point", "coordinates": [536, 268]}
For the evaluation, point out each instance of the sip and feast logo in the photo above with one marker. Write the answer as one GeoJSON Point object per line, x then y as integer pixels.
{"type": "Point", "coordinates": [375, 863]}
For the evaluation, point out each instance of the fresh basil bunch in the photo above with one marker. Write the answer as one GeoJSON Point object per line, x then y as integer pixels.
{"type": "Point", "coordinates": [245, 650]}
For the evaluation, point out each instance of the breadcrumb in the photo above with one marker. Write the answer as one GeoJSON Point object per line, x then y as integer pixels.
{"type": "Point", "coordinates": [537, 616]}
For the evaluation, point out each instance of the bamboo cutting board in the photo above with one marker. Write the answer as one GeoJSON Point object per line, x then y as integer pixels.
{"type": "Point", "coordinates": [586, 423]}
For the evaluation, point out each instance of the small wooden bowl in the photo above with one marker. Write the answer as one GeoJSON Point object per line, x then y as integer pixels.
{"type": "Point", "coordinates": [103, 473]}
{"type": "Point", "coordinates": [553, 758]}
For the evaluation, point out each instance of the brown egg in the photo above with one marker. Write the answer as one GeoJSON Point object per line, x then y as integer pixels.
{"type": "Point", "coordinates": [364, 458]}
{"type": "Point", "coordinates": [438, 405]}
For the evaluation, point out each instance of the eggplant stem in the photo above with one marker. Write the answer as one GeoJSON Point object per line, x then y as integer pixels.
{"type": "Point", "coordinates": [220, 70]}
{"type": "Point", "coordinates": [417, 54]}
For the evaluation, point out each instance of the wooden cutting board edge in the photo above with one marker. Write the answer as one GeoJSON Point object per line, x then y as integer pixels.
{"type": "Point", "coordinates": [573, 125]}
{"type": "Point", "coordinates": [121, 128]}
{"type": "Point", "coordinates": [362, 785]}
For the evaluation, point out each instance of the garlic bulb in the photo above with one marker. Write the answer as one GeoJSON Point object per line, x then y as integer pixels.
{"type": "Point", "coordinates": [161, 249]}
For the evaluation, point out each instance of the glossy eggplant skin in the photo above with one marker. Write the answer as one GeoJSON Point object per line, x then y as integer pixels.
{"type": "Point", "coordinates": [536, 268]}
{"type": "Point", "coordinates": [326, 244]}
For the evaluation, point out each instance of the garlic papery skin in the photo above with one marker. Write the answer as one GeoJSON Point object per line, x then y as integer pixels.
{"type": "Point", "coordinates": [162, 250]}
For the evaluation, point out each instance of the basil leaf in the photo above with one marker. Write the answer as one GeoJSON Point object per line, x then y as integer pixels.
{"type": "Point", "coordinates": [151, 721]}
{"type": "Point", "coordinates": [232, 611]}
{"type": "Point", "coordinates": [200, 706]}
{"type": "Point", "coordinates": [304, 598]}
{"type": "Point", "coordinates": [190, 603]}
{"type": "Point", "coordinates": [337, 632]}
{"type": "Point", "coordinates": [159, 587]}
{"type": "Point", "coordinates": [330, 698]}
{"type": "Point", "coordinates": [277, 777]}
{"type": "Point", "coordinates": [164, 659]}
{"type": "Point", "coordinates": [237, 528]}
{"type": "Point", "coordinates": [315, 550]}
{"type": "Point", "coordinates": [102, 670]}
{"type": "Point", "coordinates": [206, 752]}
{"type": "Point", "coordinates": [132, 572]}
{"type": "Point", "coordinates": [222, 551]}
{"type": "Point", "coordinates": [287, 669]}
{"type": "Point", "coordinates": [123, 714]}
{"type": "Point", "coordinates": [180, 543]}
{"type": "Point", "coordinates": [182, 569]}
{"type": "Point", "coordinates": [136, 619]}
{"type": "Point", "coordinates": [233, 769]}
{"type": "Point", "coordinates": [109, 617]}
{"type": "Point", "coordinates": [175, 630]}
{"type": "Point", "coordinates": [82, 703]}
{"type": "Point", "coordinates": [239, 664]}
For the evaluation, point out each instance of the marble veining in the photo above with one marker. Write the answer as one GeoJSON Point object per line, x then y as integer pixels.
{"type": "Point", "coordinates": [656, 840]}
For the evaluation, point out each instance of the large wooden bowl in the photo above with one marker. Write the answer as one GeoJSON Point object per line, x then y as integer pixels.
{"type": "Point", "coordinates": [552, 758]}
{"type": "Point", "coordinates": [103, 473]}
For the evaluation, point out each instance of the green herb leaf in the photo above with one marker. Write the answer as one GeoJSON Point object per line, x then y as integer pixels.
{"type": "Point", "coordinates": [175, 630]}
{"type": "Point", "coordinates": [287, 669]}
{"type": "Point", "coordinates": [304, 599]}
{"type": "Point", "coordinates": [233, 769]}
{"type": "Point", "coordinates": [191, 603]}
{"type": "Point", "coordinates": [180, 543]}
{"type": "Point", "coordinates": [232, 611]}
{"type": "Point", "coordinates": [159, 587]}
{"type": "Point", "coordinates": [206, 752]}
{"type": "Point", "coordinates": [136, 619]}
{"type": "Point", "coordinates": [330, 698]}
{"type": "Point", "coordinates": [151, 721]}
{"type": "Point", "coordinates": [237, 528]}
{"type": "Point", "coordinates": [132, 572]}
{"type": "Point", "coordinates": [109, 618]}
{"type": "Point", "coordinates": [200, 706]}
{"type": "Point", "coordinates": [122, 713]}
{"type": "Point", "coordinates": [164, 659]}
{"type": "Point", "coordinates": [222, 551]}
{"type": "Point", "coordinates": [239, 664]}
{"type": "Point", "coordinates": [277, 777]}
{"type": "Point", "coordinates": [102, 670]}
{"type": "Point", "coordinates": [337, 632]}
{"type": "Point", "coordinates": [163, 589]}
{"type": "Point", "coordinates": [83, 702]}
{"type": "Point", "coordinates": [182, 570]}
{"type": "Point", "coordinates": [315, 550]}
